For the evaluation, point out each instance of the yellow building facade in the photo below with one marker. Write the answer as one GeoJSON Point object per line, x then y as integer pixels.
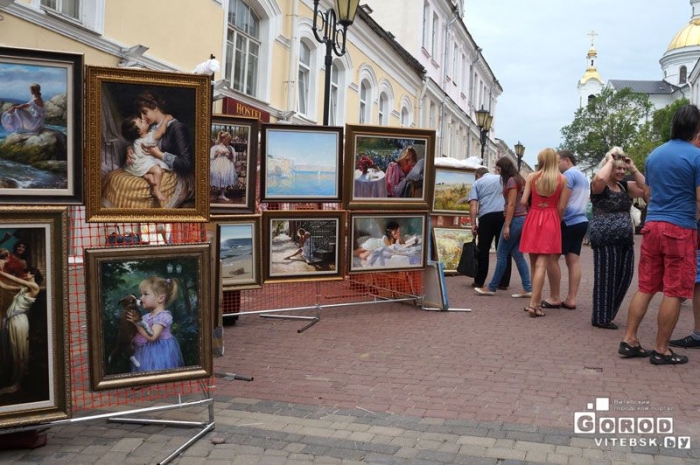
{"type": "Point", "coordinates": [271, 65]}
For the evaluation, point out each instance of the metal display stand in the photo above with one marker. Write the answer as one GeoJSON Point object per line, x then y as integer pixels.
{"type": "Point", "coordinates": [271, 313]}
{"type": "Point", "coordinates": [118, 417]}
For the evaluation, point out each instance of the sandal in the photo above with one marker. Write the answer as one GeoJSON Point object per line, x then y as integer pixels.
{"type": "Point", "coordinates": [535, 312]}
{"type": "Point", "coordinates": [670, 359]}
{"type": "Point", "coordinates": [629, 351]}
{"type": "Point", "coordinates": [545, 304]}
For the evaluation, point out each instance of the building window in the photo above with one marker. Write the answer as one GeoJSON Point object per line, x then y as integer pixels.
{"type": "Point", "coordinates": [434, 36]}
{"type": "Point", "coordinates": [431, 116]}
{"type": "Point", "coordinates": [405, 117]}
{"type": "Point", "coordinates": [683, 75]}
{"type": "Point", "coordinates": [383, 110]}
{"type": "Point", "coordinates": [335, 95]}
{"type": "Point", "coordinates": [426, 25]}
{"type": "Point", "coordinates": [242, 47]}
{"type": "Point", "coordinates": [364, 102]}
{"type": "Point", "coordinates": [455, 65]}
{"type": "Point", "coordinates": [70, 8]}
{"type": "Point", "coordinates": [304, 78]}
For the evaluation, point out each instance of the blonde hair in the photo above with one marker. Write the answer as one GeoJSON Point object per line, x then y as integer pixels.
{"type": "Point", "coordinates": [223, 135]}
{"type": "Point", "coordinates": [161, 286]}
{"type": "Point", "coordinates": [548, 167]}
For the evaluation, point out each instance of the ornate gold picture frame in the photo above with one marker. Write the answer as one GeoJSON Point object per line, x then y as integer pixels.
{"type": "Point", "coordinates": [147, 145]}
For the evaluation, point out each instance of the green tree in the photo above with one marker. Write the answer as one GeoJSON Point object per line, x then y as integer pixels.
{"type": "Point", "coordinates": [612, 118]}
{"type": "Point", "coordinates": [654, 134]}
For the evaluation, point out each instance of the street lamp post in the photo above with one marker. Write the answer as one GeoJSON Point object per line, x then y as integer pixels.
{"type": "Point", "coordinates": [519, 152]}
{"type": "Point", "coordinates": [333, 25]}
{"type": "Point", "coordinates": [483, 120]}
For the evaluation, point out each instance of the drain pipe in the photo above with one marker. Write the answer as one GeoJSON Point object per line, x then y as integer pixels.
{"type": "Point", "coordinates": [293, 54]}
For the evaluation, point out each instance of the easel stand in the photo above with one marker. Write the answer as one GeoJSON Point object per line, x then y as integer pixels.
{"type": "Point", "coordinates": [204, 427]}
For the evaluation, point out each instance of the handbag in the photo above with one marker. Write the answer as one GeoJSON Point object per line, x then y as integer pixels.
{"type": "Point", "coordinates": [468, 262]}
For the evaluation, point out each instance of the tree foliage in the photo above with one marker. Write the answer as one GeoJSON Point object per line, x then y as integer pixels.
{"type": "Point", "coordinates": [612, 118]}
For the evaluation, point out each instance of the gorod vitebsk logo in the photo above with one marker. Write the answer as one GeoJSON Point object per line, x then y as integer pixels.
{"type": "Point", "coordinates": [644, 431]}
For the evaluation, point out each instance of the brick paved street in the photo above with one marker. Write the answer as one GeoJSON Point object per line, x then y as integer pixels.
{"type": "Point", "coordinates": [390, 383]}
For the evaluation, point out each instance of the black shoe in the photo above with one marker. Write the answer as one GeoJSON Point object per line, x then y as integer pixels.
{"type": "Point", "coordinates": [670, 359]}
{"type": "Point", "coordinates": [610, 325]}
{"type": "Point", "coordinates": [503, 288]}
{"type": "Point", "coordinates": [687, 342]}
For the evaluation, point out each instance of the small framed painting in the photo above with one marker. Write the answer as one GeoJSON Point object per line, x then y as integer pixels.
{"type": "Point", "coordinates": [233, 158]}
{"type": "Point", "coordinates": [388, 168]}
{"type": "Point", "coordinates": [238, 251]}
{"type": "Point", "coordinates": [303, 245]}
{"type": "Point", "coordinates": [149, 314]}
{"type": "Point", "coordinates": [448, 244]}
{"type": "Point", "coordinates": [451, 190]}
{"type": "Point", "coordinates": [387, 242]}
{"type": "Point", "coordinates": [41, 130]}
{"type": "Point", "coordinates": [147, 145]}
{"type": "Point", "coordinates": [35, 375]}
{"type": "Point", "coordinates": [301, 163]}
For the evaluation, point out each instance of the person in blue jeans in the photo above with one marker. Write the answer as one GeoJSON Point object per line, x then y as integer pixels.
{"type": "Point", "coordinates": [509, 239]}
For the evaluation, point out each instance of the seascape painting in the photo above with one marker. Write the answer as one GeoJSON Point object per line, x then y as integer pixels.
{"type": "Point", "coordinates": [301, 164]}
{"type": "Point", "coordinates": [40, 126]}
{"type": "Point", "coordinates": [238, 251]}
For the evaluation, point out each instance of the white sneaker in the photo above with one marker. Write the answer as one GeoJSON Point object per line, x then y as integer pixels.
{"type": "Point", "coordinates": [484, 291]}
{"type": "Point", "coordinates": [519, 295]}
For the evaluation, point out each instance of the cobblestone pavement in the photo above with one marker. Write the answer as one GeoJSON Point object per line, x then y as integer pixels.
{"type": "Point", "coordinates": [390, 383]}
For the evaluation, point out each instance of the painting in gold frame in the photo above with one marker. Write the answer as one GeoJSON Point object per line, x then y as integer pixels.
{"type": "Point", "coordinates": [147, 145]}
{"type": "Point", "coordinates": [233, 159]}
{"type": "Point", "coordinates": [35, 388]}
{"type": "Point", "coordinates": [387, 241]}
{"type": "Point", "coordinates": [388, 168]}
{"type": "Point", "coordinates": [173, 288]}
{"type": "Point", "coordinates": [303, 245]}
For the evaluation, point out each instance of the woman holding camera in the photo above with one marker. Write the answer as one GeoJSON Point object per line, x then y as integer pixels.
{"type": "Point", "coordinates": [611, 234]}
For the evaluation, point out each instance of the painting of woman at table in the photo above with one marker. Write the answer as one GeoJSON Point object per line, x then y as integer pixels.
{"type": "Point", "coordinates": [397, 168]}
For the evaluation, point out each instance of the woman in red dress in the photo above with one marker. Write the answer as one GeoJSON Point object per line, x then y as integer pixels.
{"type": "Point", "coordinates": [546, 194]}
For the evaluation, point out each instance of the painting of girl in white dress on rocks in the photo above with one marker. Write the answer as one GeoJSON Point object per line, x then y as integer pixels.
{"type": "Point", "coordinates": [40, 124]}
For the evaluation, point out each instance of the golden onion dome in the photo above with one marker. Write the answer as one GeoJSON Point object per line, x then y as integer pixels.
{"type": "Point", "coordinates": [591, 73]}
{"type": "Point", "coordinates": [687, 37]}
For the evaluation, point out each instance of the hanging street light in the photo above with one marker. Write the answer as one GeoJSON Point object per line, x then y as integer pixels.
{"type": "Point", "coordinates": [331, 28]}
{"type": "Point", "coordinates": [519, 152]}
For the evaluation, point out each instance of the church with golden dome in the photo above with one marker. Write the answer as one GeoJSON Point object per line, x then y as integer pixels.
{"type": "Point", "coordinates": [680, 65]}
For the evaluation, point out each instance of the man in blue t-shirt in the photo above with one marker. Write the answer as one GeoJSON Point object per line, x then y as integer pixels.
{"type": "Point", "coordinates": [573, 229]}
{"type": "Point", "coordinates": [668, 260]}
{"type": "Point", "coordinates": [486, 201]}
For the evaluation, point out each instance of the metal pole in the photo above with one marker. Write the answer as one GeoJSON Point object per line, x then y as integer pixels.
{"type": "Point", "coordinates": [483, 143]}
{"type": "Point", "coordinates": [520, 159]}
{"type": "Point", "coordinates": [327, 94]}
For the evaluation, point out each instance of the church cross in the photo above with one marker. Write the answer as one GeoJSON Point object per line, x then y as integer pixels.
{"type": "Point", "coordinates": [592, 34]}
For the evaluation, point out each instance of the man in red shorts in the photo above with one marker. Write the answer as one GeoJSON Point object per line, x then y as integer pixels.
{"type": "Point", "coordinates": [667, 263]}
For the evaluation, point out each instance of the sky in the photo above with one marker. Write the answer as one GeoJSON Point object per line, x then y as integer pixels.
{"type": "Point", "coordinates": [537, 51]}
{"type": "Point", "coordinates": [16, 79]}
